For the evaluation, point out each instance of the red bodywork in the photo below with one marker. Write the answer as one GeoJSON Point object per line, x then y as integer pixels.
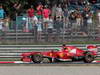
{"type": "Point", "coordinates": [66, 53]}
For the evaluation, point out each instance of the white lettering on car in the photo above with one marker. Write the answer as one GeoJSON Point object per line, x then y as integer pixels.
{"type": "Point", "coordinates": [73, 51]}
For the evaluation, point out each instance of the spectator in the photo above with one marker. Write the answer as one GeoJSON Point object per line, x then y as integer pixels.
{"type": "Point", "coordinates": [6, 23]}
{"type": "Point", "coordinates": [1, 28]}
{"type": "Point", "coordinates": [50, 28]}
{"type": "Point", "coordinates": [25, 28]}
{"type": "Point", "coordinates": [39, 10]}
{"type": "Point", "coordinates": [46, 13]}
{"type": "Point", "coordinates": [65, 9]}
{"type": "Point", "coordinates": [78, 19]}
{"type": "Point", "coordinates": [16, 10]}
{"type": "Point", "coordinates": [72, 19]}
{"type": "Point", "coordinates": [2, 12]}
{"type": "Point", "coordinates": [30, 13]}
{"type": "Point", "coordinates": [85, 16]}
{"type": "Point", "coordinates": [98, 15]}
{"type": "Point", "coordinates": [58, 25]}
{"type": "Point", "coordinates": [90, 21]}
{"type": "Point", "coordinates": [1, 25]}
{"type": "Point", "coordinates": [35, 20]}
{"type": "Point", "coordinates": [17, 7]}
{"type": "Point", "coordinates": [34, 29]}
{"type": "Point", "coordinates": [50, 25]}
{"type": "Point", "coordinates": [59, 11]}
{"type": "Point", "coordinates": [39, 29]}
{"type": "Point", "coordinates": [54, 11]}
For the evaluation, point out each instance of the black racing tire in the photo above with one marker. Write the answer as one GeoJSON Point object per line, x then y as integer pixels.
{"type": "Point", "coordinates": [37, 58]}
{"type": "Point", "coordinates": [88, 58]}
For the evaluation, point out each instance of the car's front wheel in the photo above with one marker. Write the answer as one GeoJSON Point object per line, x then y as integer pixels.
{"type": "Point", "coordinates": [37, 58]}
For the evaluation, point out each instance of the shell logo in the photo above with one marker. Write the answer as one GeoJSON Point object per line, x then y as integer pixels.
{"type": "Point", "coordinates": [61, 55]}
{"type": "Point", "coordinates": [51, 54]}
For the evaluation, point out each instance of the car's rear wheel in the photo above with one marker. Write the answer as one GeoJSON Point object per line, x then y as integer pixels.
{"type": "Point", "coordinates": [88, 58]}
{"type": "Point", "coordinates": [37, 58]}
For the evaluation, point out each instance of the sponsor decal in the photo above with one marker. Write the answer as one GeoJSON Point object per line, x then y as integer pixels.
{"type": "Point", "coordinates": [73, 51]}
{"type": "Point", "coordinates": [61, 55]}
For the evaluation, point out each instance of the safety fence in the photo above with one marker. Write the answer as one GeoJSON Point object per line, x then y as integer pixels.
{"type": "Point", "coordinates": [23, 31]}
{"type": "Point", "coordinates": [14, 51]}
{"type": "Point", "coordinates": [17, 37]}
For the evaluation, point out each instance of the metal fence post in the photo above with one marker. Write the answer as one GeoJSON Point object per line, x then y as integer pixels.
{"type": "Point", "coordinates": [16, 29]}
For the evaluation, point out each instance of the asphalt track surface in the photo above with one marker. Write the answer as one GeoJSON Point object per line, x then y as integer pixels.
{"type": "Point", "coordinates": [49, 70]}
{"type": "Point", "coordinates": [62, 68]}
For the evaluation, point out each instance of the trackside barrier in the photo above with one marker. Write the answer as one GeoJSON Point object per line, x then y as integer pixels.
{"type": "Point", "coordinates": [14, 51]}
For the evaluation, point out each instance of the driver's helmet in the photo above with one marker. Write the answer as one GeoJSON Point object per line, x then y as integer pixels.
{"type": "Point", "coordinates": [64, 46]}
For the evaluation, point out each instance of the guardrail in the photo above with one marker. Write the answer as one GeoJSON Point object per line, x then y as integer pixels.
{"type": "Point", "coordinates": [14, 51]}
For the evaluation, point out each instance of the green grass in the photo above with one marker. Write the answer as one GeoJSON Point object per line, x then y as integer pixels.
{"type": "Point", "coordinates": [52, 43]}
{"type": "Point", "coordinates": [9, 59]}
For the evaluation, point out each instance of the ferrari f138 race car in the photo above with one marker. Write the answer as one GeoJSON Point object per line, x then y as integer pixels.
{"type": "Point", "coordinates": [67, 53]}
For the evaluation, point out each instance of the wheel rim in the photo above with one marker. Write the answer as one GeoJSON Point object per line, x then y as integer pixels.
{"type": "Point", "coordinates": [37, 58]}
{"type": "Point", "coordinates": [89, 58]}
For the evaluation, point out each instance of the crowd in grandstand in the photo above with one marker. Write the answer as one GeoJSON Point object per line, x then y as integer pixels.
{"type": "Point", "coordinates": [62, 17]}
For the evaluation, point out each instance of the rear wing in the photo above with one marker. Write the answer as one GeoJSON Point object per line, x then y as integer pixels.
{"type": "Point", "coordinates": [93, 48]}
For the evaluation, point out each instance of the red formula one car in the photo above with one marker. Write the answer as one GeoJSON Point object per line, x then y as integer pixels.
{"type": "Point", "coordinates": [65, 54]}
